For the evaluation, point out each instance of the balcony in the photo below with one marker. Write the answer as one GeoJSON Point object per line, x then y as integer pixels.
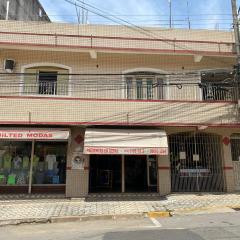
{"type": "Point", "coordinates": [132, 86]}
{"type": "Point", "coordinates": [118, 100]}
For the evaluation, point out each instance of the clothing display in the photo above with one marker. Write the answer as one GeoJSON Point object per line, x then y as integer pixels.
{"type": "Point", "coordinates": [55, 180]}
{"type": "Point", "coordinates": [17, 162]}
{"type": "Point", "coordinates": [1, 157]}
{"type": "Point", "coordinates": [35, 161]}
{"type": "Point", "coordinates": [25, 162]}
{"type": "Point", "coordinates": [3, 179]}
{"type": "Point", "coordinates": [7, 161]}
{"type": "Point", "coordinates": [11, 179]}
{"type": "Point", "coordinates": [22, 178]}
{"type": "Point", "coordinates": [51, 160]}
{"type": "Point", "coordinates": [39, 177]}
{"type": "Point", "coordinates": [48, 163]}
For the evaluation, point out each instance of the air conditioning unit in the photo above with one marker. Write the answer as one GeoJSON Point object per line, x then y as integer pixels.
{"type": "Point", "coordinates": [9, 65]}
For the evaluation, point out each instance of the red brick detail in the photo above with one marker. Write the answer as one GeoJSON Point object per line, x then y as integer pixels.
{"type": "Point", "coordinates": [79, 139]}
{"type": "Point", "coordinates": [226, 140]}
{"type": "Point", "coordinates": [164, 168]}
{"type": "Point", "coordinates": [228, 168]}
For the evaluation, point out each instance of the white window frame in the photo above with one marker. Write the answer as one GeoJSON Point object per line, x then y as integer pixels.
{"type": "Point", "coordinates": [150, 70]}
{"type": "Point", "coordinates": [46, 64]}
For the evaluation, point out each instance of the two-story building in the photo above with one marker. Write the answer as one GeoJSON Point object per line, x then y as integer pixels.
{"type": "Point", "coordinates": [94, 108]}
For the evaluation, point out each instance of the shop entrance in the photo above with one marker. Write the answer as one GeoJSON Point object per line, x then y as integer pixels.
{"type": "Point", "coordinates": [116, 173]}
{"type": "Point", "coordinates": [196, 162]}
{"type": "Point", "coordinates": [105, 173]}
{"type": "Point", "coordinates": [136, 174]}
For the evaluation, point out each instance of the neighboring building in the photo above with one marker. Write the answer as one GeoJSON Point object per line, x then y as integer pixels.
{"type": "Point", "coordinates": [23, 10]}
{"type": "Point", "coordinates": [106, 108]}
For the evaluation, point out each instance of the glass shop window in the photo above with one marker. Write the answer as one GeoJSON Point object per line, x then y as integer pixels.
{"type": "Point", "coordinates": [15, 162]}
{"type": "Point", "coordinates": [49, 163]}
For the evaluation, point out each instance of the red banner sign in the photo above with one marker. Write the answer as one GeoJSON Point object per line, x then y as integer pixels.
{"type": "Point", "coordinates": [126, 151]}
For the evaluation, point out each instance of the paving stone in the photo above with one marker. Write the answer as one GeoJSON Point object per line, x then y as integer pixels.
{"type": "Point", "coordinates": [26, 207]}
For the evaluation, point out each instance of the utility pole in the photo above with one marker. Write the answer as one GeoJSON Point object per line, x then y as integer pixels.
{"type": "Point", "coordinates": [189, 22]}
{"type": "Point", "coordinates": [7, 10]}
{"type": "Point", "coordinates": [236, 28]}
{"type": "Point", "coordinates": [237, 44]}
{"type": "Point", "coordinates": [170, 13]}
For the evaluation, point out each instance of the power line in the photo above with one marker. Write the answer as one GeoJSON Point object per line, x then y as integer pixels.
{"type": "Point", "coordinates": [127, 24]}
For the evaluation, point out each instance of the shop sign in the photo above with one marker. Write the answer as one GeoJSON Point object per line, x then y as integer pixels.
{"type": "Point", "coordinates": [38, 134]}
{"type": "Point", "coordinates": [125, 151]}
{"type": "Point", "coordinates": [197, 172]}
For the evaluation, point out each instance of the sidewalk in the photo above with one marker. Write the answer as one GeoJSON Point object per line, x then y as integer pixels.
{"type": "Point", "coordinates": [37, 208]}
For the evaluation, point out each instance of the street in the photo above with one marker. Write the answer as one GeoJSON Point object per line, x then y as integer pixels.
{"type": "Point", "coordinates": [197, 227]}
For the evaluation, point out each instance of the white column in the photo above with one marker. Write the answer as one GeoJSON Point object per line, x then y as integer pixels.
{"type": "Point", "coordinates": [228, 166]}
{"type": "Point", "coordinates": [123, 174]}
{"type": "Point", "coordinates": [164, 175]}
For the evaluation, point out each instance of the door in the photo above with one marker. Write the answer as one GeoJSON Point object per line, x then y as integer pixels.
{"type": "Point", "coordinates": [152, 173]}
{"type": "Point", "coordinates": [136, 173]}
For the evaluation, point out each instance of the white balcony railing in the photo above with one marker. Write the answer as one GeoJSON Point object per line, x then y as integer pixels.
{"type": "Point", "coordinates": [118, 87]}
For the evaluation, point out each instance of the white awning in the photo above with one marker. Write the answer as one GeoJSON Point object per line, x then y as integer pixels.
{"type": "Point", "coordinates": [125, 142]}
{"type": "Point", "coordinates": [34, 134]}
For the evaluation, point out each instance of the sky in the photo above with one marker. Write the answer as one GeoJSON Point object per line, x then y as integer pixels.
{"type": "Point", "coordinates": [209, 14]}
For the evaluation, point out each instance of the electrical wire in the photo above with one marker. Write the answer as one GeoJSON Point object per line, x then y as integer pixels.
{"type": "Point", "coordinates": [127, 24]}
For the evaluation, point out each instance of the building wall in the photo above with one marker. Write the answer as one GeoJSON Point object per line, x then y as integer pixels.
{"type": "Point", "coordinates": [77, 179]}
{"type": "Point", "coordinates": [94, 112]}
{"type": "Point", "coordinates": [121, 38]}
{"type": "Point", "coordinates": [164, 175]}
{"type": "Point", "coordinates": [236, 170]}
{"type": "Point", "coordinates": [121, 31]}
{"type": "Point", "coordinates": [110, 86]}
{"type": "Point", "coordinates": [23, 10]}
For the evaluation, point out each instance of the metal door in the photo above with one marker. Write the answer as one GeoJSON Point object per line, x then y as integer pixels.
{"type": "Point", "coordinates": [196, 162]}
{"type": "Point", "coordinates": [152, 171]}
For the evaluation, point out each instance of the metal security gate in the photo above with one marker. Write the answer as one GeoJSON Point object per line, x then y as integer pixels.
{"type": "Point", "coordinates": [235, 149]}
{"type": "Point", "coordinates": [196, 162]}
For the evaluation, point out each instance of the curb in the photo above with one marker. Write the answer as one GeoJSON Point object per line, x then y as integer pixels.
{"type": "Point", "coordinates": [203, 209]}
{"type": "Point", "coordinates": [66, 219]}
{"type": "Point", "coordinates": [94, 217]}
{"type": "Point", "coordinates": [23, 221]}
{"type": "Point", "coordinates": [159, 214]}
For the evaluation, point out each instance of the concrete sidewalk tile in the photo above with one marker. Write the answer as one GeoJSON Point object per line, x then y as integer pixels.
{"type": "Point", "coordinates": [13, 209]}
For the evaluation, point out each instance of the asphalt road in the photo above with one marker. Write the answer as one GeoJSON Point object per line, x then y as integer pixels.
{"type": "Point", "coordinates": [200, 227]}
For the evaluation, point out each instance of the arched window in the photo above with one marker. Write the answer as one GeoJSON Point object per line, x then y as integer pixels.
{"type": "Point", "coordinates": [144, 85]}
{"type": "Point", "coordinates": [46, 79]}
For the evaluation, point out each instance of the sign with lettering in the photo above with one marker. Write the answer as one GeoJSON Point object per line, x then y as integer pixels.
{"type": "Point", "coordinates": [34, 134]}
{"type": "Point", "coordinates": [126, 151]}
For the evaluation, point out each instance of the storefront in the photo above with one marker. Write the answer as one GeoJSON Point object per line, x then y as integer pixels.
{"type": "Point", "coordinates": [124, 160]}
{"type": "Point", "coordinates": [33, 160]}
{"type": "Point", "coordinates": [196, 162]}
